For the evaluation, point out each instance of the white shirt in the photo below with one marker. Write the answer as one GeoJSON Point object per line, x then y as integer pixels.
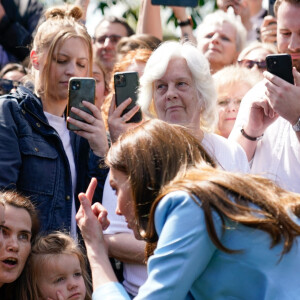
{"type": "Point", "coordinates": [277, 154]}
{"type": "Point", "coordinates": [59, 124]}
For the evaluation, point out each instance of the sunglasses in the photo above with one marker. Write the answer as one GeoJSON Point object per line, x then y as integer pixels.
{"type": "Point", "coordinates": [114, 39]}
{"type": "Point", "coordinates": [7, 85]}
{"type": "Point", "coordinates": [251, 63]}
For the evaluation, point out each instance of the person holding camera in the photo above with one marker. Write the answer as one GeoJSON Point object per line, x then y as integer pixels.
{"type": "Point", "coordinates": [39, 156]}
{"type": "Point", "coordinates": [268, 122]}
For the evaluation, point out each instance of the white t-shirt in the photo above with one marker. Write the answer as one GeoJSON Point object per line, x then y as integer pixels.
{"type": "Point", "coordinates": [277, 154]}
{"type": "Point", "coordinates": [59, 124]}
{"type": "Point", "coordinates": [229, 155]}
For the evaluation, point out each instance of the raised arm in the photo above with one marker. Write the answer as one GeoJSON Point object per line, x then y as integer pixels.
{"type": "Point", "coordinates": [149, 20]}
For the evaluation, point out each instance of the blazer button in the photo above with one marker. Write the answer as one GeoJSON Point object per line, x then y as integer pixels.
{"type": "Point", "coordinates": [68, 197]}
{"type": "Point", "coordinates": [38, 124]}
{"type": "Point", "coordinates": [23, 112]}
{"type": "Point", "coordinates": [36, 149]}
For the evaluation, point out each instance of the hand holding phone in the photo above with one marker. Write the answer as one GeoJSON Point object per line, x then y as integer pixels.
{"type": "Point", "coordinates": [80, 88]}
{"type": "Point", "coordinates": [126, 86]}
{"type": "Point", "coordinates": [281, 66]}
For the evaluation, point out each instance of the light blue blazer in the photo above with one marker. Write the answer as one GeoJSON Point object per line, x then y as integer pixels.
{"type": "Point", "coordinates": [187, 265]}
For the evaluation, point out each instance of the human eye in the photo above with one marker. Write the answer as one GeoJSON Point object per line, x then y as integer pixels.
{"type": "Point", "coordinates": [209, 35]}
{"type": "Point", "coordinates": [24, 236]}
{"type": "Point", "coordinates": [82, 64]}
{"type": "Point", "coordinates": [182, 83]}
{"type": "Point", "coordinates": [160, 85]}
{"type": "Point", "coordinates": [223, 102]}
{"type": "Point", "coordinates": [77, 274]}
{"type": "Point", "coordinates": [59, 279]}
{"type": "Point", "coordinates": [285, 33]}
{"type": "Point", "coordinates": [225, 38]}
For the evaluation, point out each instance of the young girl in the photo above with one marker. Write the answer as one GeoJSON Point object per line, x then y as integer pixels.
{"type": "Point", "coordinates": [40, 157]}
{"type": "Point", "coordinates": [57, 269]}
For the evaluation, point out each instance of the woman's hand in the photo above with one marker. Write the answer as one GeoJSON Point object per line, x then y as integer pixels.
{"type": "Point", "coordinates": [92, 220]}
{"type": "Point", "coordinates": [117, 123]}
{"type": "Point", "coordinates": [93, 129]}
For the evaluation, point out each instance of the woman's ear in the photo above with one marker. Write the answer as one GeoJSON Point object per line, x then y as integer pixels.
{"type": "Point", "coordinates": [34, 59]}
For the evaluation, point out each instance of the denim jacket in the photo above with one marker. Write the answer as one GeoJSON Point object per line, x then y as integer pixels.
{"type": "Point", "coordinates": [33, 160]}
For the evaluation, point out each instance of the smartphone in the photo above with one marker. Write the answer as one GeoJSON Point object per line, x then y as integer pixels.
{"type": "Point", "coordinates": [281, 66]}
{"type": "Point", "coordinates": [126, 85]}
{"type": "Point", "coordinates": [80, 88]}
{"type": "Point", "coordinates": [185, 3]}
{"type": "Point", "coordinates": [271, 8]}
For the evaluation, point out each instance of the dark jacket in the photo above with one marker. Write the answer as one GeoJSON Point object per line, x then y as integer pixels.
{"type": "Point", "coordinates": [17, 27]}
{"type": "Point", "coordinates": [33, 160]}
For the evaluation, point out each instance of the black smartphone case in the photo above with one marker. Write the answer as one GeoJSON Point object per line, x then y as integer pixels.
{"type": "Point", "coordinates": [126, 86]}
{"type": "Point", "coordinates": [281, 66]}
{"type": "Point", "coordinates": [85, 91]}
{"type": "Point", "coordinates": [185, 3]}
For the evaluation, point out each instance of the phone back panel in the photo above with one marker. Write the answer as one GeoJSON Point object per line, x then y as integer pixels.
{"type": "Point", "coordinates": [281, 66]}
{"type": "Point", "coordinates": [80, 88]}
{"type": "Point", "coordinates": [126, 86]}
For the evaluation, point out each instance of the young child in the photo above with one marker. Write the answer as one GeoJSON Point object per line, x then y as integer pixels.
{"type": "Point", "coordinates": [57, 269]}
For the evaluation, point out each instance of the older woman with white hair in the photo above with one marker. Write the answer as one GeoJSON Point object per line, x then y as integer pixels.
{"type": "Point", "coordinates": [177, 87]}
{"type": "Point", "coordinates": [221, 37]}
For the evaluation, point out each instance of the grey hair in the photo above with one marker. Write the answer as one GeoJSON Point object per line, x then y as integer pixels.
{"type": "Point", "coordinates": [218, 17]}
{"type": "Point", "coordinates": [199, 66]}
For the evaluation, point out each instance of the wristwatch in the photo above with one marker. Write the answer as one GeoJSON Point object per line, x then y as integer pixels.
{"type": "Point", "coordinates": [188, 22]}
{"type": "Point", "coordinates": [296, 127]}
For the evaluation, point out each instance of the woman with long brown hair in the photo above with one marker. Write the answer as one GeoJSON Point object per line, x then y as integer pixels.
{"type": "Point", "coordinates": [210, 234]}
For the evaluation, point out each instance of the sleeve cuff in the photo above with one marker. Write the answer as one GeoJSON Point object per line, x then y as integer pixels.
{"type": "Point", "coordinates": [111, 291]}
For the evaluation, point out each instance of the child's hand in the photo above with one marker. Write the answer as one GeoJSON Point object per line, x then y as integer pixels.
{"type": "Point", "coordinates": [59, 296]}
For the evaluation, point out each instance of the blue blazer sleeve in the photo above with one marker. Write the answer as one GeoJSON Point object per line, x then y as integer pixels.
{"type": "Point", "coordinates": [184, 249]}
{"type": "Point", "coordinates": [183, 252]}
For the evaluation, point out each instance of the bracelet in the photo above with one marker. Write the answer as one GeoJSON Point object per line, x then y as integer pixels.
{"type": "Point", "coordinates": [188, 22]}
{"type": "Point", "coordinates": [251, 138]}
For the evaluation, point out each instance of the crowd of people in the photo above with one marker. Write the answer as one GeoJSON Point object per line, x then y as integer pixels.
{"type": "Point", "coordinates": [199, 200]}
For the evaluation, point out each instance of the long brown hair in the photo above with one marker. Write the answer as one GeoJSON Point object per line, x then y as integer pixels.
{"type": "Point", "coordinates": [247, 199]}
{"type": "Point", "coordinates": [151, 155]}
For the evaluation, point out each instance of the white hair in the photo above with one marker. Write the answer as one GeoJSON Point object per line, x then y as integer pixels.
{"type": "Point", "coordinates": [218, 17]}
{"type": "Point", "coordinates": [156, 67]}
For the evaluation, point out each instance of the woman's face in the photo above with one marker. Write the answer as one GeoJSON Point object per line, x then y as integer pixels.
{"type": "Point", "coordinates": [1, 223]}
{"type": "Point", "coordinates": [100, 85]}
{"type": "Point", "coordinates": [119, 182]}
{"type": "Point", "coordinates": [72, 61]}
{"type": "Point", "coordinates": [218, 43]}
{"type": "Point", "coordinates": [229, 99]}
{"type": "Point", "coordinates": [175, 95]}
{"type": "Point", "coordinates": [16, 243]}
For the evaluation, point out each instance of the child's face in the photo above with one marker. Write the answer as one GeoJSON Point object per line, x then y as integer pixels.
{"type": "Point", "coordinates": [61, 273]}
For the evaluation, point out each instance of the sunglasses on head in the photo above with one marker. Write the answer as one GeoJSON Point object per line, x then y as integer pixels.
{"type": "Point", "coordinates": [251, 63]}
{"type": "Point", "coordinates": [7, 85]}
